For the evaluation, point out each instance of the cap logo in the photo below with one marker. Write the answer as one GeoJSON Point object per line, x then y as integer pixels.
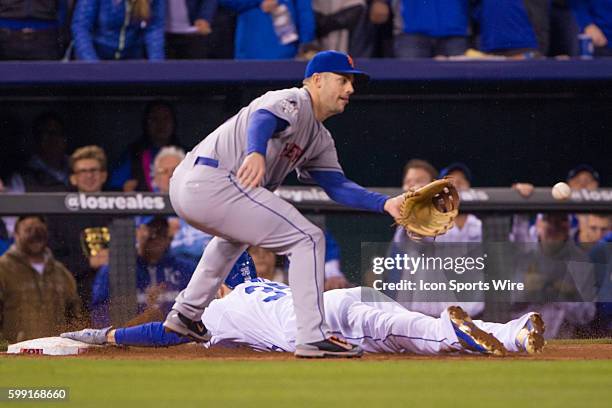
{"type": "Point", "coordinates": [350, 61]}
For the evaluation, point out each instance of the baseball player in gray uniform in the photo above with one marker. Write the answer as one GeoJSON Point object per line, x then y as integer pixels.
{"type": "Point", "coordinates": [225, 185]}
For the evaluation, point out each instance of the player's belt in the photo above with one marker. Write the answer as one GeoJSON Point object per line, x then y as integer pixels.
{"type": "Point", "coordinates": [206, 161]}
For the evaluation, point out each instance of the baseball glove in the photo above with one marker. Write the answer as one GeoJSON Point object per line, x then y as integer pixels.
{"type": "Point", "coordinates": [431, 210]}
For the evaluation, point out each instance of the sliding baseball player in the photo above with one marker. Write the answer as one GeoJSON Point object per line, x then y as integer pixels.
{"type": "Point", "coordinates": [259, 314]}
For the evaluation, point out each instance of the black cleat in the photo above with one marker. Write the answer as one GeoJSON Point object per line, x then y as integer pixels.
{"type": "Point", "coordinates": [330, 347]}
{"type": "Point", "coordinates": [180, 324]}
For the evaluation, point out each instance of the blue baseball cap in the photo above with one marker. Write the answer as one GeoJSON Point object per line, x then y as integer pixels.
{"type": "Point", "coordinates": [583, 167]}
{"type": "Point", "coordinates": [333, 61]}
{"type": "Point", "coordinates": [242, 271]}
{"type": "Point", "coordinates": [462, 167]}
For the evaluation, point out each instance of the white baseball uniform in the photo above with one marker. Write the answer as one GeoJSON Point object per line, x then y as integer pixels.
{"type": "Point", "coordinates": [205, 192]}
{"type": "Point", "coordinates": [260, 315]}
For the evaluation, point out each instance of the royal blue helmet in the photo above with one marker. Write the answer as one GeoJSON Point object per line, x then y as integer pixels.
{"type": "Point", "coordinates": [243, 270]}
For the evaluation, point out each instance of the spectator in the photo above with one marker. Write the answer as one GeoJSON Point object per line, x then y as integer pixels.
{"type": "Point", "coordinates": [514, 28]}
{"type": "Point", "coordinates": [88, 169]}
{"type": "Point", "coordinates": [594, 19]}
{"type": "Point", "coordinates": [417, 173]}
{"type": "Point", "coordinates": [468, 228]}
{"type": "Point", "coordinates": [188, 242]}
{"type": "Point", "coordinates": [88, 175]}
{"type": "Point", "coordinates": [47, 169]}
{"type": "Point", "coordinates": [559, 274]}
{"type": "Point", "coordinates": [592, 228]}
{"type": "Point", "coordinates": [335, 21]}
{"type": "Point", "coordinates": [135, 170]}
{"type": "Point", "coordinates": [159, 275]}
{"type": "Point", "coordinates": [373, 34]}
{"type": "Point", "coordinates": [188, 27]}
{"type": "Point", "coordinates": [583, 176]}
{"type": "Point", "coordinates": [119, 29]}
{"type": "Point", "coordinates": [32, 30]}
{"type": "Point", "coordinates": [38, 296]}
{"type": "Point", "coordinates": [426, 29]}
{"type": "Point", "coordinates": [284, 28]}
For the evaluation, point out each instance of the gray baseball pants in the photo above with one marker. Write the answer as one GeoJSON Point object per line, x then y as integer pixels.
{"type": "Point", "coordinates": [211, 199]}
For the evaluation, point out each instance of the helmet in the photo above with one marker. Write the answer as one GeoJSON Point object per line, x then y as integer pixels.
{"type": "Point", "coordinates": [242, 271]}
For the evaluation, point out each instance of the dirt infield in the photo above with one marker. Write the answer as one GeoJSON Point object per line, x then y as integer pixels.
{"type": "Point", "coordinates": [557, 351]}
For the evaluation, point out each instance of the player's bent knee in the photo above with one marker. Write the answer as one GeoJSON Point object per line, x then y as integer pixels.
{"type": "Point", "coordinates": [315, 235]}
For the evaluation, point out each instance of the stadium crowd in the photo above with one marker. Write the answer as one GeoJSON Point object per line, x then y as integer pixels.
{"type": "Point", "coordinates": [57, 267]}
{"type": "Point", "coordinates": [92, 30]}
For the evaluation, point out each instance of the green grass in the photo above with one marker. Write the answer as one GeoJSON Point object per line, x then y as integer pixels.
{"type": "Point", "coordinates": [403, 383]}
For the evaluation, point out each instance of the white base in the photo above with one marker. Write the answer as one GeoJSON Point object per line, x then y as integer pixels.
{"type": "Point", "coordinates": [50, 346]}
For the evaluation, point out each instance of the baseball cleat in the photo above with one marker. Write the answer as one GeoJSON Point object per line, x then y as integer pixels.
{"type": "Point", "coordinates": [531, 337]}
{"type": "Point", "coordinates": [180, 324]}
{"type": "Point", "coordinates": [471, 337]}
{"type": "Point", "coordinates": [330, 347]}
{"type": "Point", "coordinates": [89, 336]}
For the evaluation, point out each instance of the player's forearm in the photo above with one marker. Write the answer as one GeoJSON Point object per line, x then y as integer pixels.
{"type": "Point", "coordinates": [148, 335]}
{"type": "Point", "coordinates": [262, 125]}
{"type": "Point", "coordinates": [348, 193]}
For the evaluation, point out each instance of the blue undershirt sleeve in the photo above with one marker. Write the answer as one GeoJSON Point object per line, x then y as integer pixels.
{"type": "Point", "coordinates": [148, 335]}
{"type": "Point", "coordinates": [348, 193]}
{"type": "Point", "coordinates": [262, 125]}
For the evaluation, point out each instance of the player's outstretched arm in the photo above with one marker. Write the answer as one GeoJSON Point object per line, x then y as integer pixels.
{"type": "Point", "coordinates": [347, 192]}
{"type": "Point", "coordinates": [144, 335]}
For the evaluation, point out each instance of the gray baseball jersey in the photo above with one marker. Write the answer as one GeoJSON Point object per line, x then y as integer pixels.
{"type": "Point", "coordinates": [207, 195]}
{"type": "Point", "coordinates": [305, 145]}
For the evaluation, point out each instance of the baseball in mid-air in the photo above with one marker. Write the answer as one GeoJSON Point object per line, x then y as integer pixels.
{"type": "Point", "coordinates": [561, 191]}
